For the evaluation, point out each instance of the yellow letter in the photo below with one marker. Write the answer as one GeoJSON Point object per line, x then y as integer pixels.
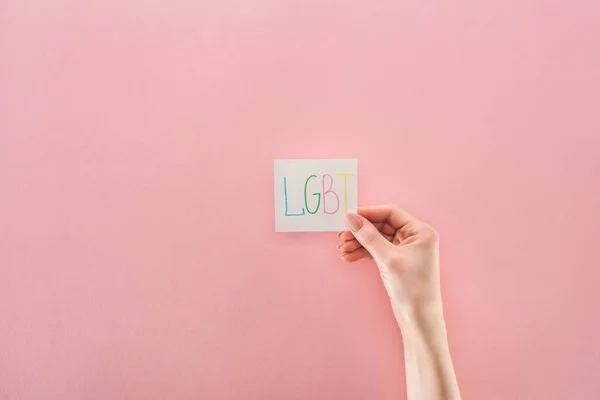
{"type": "Point", "coordinates": [345, 190]}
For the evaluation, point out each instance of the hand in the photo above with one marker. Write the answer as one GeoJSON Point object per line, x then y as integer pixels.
{"type": "Point", "coordinates": [405, 250]}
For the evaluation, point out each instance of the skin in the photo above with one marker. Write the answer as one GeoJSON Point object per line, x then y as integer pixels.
{"type": "Point", "coordinates": [406, 252]}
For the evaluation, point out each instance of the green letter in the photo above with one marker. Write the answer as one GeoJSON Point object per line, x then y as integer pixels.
{"type": "Point", "coordinates": [314, 194]}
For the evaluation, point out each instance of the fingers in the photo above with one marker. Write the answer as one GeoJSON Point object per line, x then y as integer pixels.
{"type": "Point", "coordinates": [353, 244]}
{"type": "Point", "coordinates": [375, 230]}
{"type": "Point", "coordinates": [355, 255]}
{"type": "Point", "coordinates": [368, 236]}
{"type": "Point", "coordinates": [392, 215]}
{"type": "Point", "coordinates": [349, 246]}
{"type": "Point", "coordinates": [346, 235]}
{"type": "Point", "coordinates": [386, 230]}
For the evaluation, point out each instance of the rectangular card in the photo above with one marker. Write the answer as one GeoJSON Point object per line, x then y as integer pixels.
{"type": "Point", "coordinates": [314, 195]}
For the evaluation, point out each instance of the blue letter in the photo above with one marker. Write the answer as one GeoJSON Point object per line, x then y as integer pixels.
{"type": "Point", "coordinates": [286, 204]}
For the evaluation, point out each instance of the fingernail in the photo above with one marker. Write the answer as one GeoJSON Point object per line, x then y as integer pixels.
{"type": "Point", "coordinates": [340, 245]}
{"type": "Point", "coordinates": [354, 222]}
{"type": "Point", "coordinates": [342, 255]}
{"type": "Point", "coordinates": [340, 234]}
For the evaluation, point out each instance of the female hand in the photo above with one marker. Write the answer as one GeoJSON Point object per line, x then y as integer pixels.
{"type": "Point", "coordinates": [405, 250]}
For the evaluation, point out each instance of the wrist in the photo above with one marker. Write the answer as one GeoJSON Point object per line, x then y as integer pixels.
{"type": "Point", "coordinates": [421, 319]}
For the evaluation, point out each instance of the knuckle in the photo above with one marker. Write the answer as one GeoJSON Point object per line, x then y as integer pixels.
{"type": "Point", "coordinates": [430, 234]}
{"type": "Point", "coordinates": [370, 236]}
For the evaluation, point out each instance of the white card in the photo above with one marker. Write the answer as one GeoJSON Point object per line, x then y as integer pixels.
{"type": "Point", "coordinates": [314, 195]}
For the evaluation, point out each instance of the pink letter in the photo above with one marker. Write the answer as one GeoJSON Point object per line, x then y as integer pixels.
{"type": "Point", "coordinates": [329, 191]}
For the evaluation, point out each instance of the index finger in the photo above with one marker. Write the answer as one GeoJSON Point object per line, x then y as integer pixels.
{"type": "Point", "coordinates": [391, 214]}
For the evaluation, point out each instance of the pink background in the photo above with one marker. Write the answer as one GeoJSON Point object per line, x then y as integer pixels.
{"type": "Point", "coordinates": [138, 258]}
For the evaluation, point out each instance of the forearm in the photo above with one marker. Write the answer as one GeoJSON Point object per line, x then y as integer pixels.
{"type": "Point", "coordinates": [429, 370]}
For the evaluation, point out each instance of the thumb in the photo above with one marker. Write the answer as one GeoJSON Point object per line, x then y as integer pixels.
{"type": "Point", "coordinates": [367, 235]}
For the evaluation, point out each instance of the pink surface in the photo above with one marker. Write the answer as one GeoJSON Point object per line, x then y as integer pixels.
{"type": "Point", "coordinates": [137, 138]}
